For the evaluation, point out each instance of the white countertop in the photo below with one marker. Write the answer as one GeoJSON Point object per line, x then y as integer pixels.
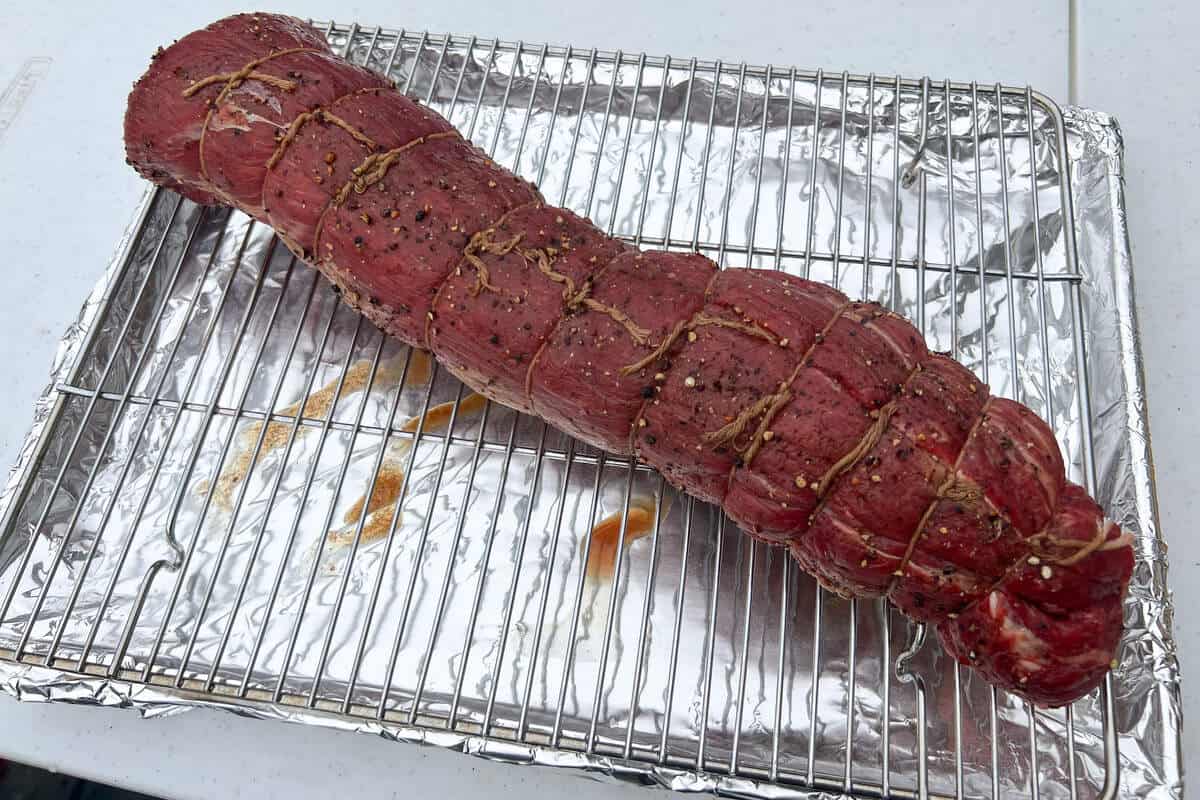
{"type": "Point", "coordinates": [66, 195]}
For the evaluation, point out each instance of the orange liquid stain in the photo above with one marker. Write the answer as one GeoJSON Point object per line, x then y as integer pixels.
{"type": "Point", "coordinates": [375, 528]}
{"type": "Point", "coordinates": [438, 417]}
{"type": "Point", "coordinates": [316, 406]}
{"type": "Point", "coordinates": [420, 368]}
{"type": "Point", "coordinates": [387, 490]}
{"type": "Point", "coordinates": [602, 559]}
{"type": "Point", "coordinates": [381, 508]}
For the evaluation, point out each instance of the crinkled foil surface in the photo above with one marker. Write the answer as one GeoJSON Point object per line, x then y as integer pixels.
{"type": "Point", "coordinates": [152, 560]}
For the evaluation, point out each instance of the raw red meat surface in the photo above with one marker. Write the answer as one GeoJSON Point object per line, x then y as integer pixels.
{"type": "Point", "coordinates": [579, 381]}
{"type": "Point", "coordinates": [818, 423]}
{"type": "Point", "coordinates": [317, 154]}
{"type": "Point", "coordinates": [511, 321]}
{"type": "Point", "coordinates": [400, 238]}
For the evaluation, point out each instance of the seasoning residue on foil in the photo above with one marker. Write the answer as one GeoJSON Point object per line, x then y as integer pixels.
{"type": "Point", "coordinates": [317, 405]}
{"type": "Point", "coordinates": [437, 419]}
{"type": "Point", "coordinates": [381, 510]}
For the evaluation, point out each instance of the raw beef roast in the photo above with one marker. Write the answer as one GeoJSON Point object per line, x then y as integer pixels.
{"type": "Point", "coordinates": [818, 423]}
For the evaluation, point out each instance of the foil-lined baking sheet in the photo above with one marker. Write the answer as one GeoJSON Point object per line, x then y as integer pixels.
{"type": "Point", "coordinates": [236, 493]}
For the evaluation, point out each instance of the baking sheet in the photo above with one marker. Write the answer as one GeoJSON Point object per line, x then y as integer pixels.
{"type": "Point", "coordinates": [696, 659]}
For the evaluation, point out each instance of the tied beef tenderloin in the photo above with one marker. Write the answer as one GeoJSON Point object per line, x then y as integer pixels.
{"type": "Point", "coordinates": [818, 423]}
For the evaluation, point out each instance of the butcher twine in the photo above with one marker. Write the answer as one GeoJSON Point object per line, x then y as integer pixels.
{"type": "Point", "coordinates": [948, 488]}
{"type": "Point", "coordinates": [324, 116]}
{"type": "Point", "coordinates": [574, 299]}
{"type": "Point", "coordinates": [766, 407]}
{"type": "Point", "coordinates": [374, 167]}
{"type": "Point", "coordinates": [232, 81]}
{"type": "Point", "coordinates": [700, 319]}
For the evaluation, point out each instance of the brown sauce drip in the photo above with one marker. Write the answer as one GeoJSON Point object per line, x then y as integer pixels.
{"type": "Point", "coordinates": [381, 508]}
{"type": "Point", "coordinates": [316, 405]}
{"type": "Point", "coordinates": [438, 417]}
{"type": "Point", "coordinates": [605, 536]}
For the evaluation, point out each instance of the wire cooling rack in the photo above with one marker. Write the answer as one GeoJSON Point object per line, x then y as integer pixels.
{"type": "Point", "coordinates": [242, 496]}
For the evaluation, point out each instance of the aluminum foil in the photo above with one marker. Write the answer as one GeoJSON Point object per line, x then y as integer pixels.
{"type": "Point", "coordinates": [188, 522]}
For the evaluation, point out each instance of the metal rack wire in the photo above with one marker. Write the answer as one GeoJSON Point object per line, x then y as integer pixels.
{"type": "Point", "coordinates": [473, 614]}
